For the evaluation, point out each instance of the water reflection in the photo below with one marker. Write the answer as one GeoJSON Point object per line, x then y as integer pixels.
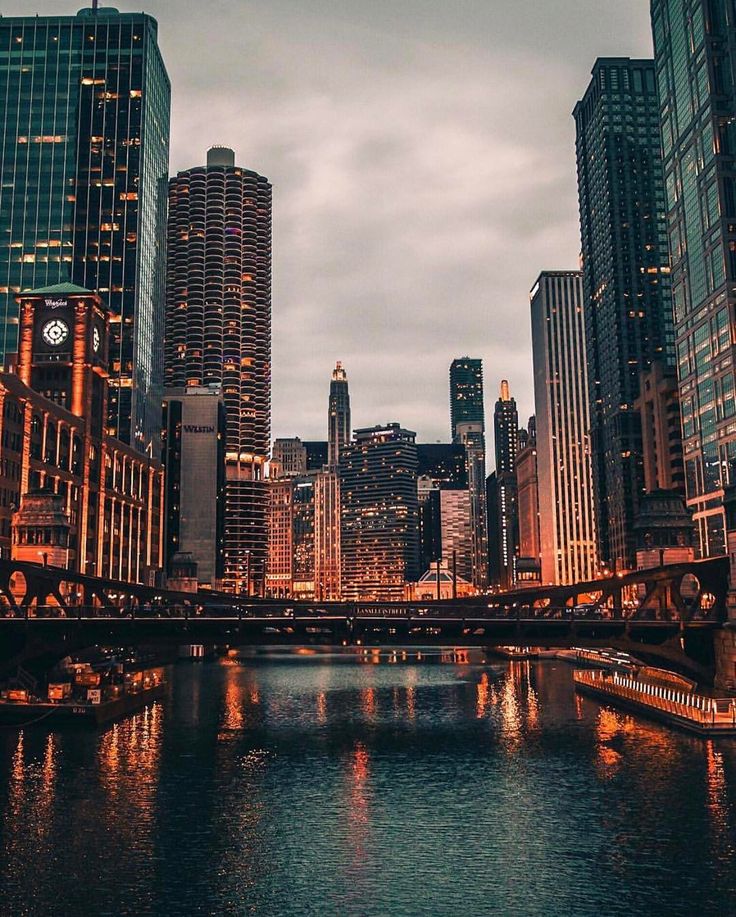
{"type": "Point", "coordinates": [388, 786]}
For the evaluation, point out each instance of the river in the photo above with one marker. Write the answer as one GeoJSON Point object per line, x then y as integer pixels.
{"type": "Point", "coordinates": [368, 787]}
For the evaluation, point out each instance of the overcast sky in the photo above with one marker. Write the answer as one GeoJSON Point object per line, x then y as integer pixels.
{"type": "Point", "coordinates": [422, 159]}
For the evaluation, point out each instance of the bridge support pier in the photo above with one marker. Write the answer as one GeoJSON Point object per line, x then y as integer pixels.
{"type": "Point", "coordinates": [725, 658]}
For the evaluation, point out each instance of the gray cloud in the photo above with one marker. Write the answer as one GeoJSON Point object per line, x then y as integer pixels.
{"type": "Point", "coordinates": [422, 157]}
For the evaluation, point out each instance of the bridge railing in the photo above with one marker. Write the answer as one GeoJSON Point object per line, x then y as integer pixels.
{"type": "Point", "coordinates": [355, 611]}
{"type": "Point", "coordinates": [698, 708]}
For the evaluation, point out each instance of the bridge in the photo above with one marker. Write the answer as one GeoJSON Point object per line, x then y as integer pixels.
{"type": "Point", "coordinates": [667, 615]}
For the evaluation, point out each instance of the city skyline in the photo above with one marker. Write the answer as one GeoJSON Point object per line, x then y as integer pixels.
{"type": "Point", "coordinates": [305, 71]}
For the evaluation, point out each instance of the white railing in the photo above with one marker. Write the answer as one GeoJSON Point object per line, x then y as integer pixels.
{"type": "Point", "coordinates": [715, 712]}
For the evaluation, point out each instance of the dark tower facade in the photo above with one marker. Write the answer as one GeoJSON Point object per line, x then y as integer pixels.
{"type": "Point", "coordinates": [218, 331]}
{"type": "Point", "coordinates": [695, 55]}
{"type": "Point", "coordinates": [84, 160]}
{"type": "Point", "coordinates": [626, 281]}
{"type": "Point", "coordinates": [338, 416]}
{"type": "Point", "coordinates": [466, 393]}
{"type": "Point", "coordinates": [506, 441]}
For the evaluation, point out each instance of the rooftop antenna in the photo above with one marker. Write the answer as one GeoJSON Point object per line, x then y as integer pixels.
{"type": "Point", "coordinates": [94, 5]}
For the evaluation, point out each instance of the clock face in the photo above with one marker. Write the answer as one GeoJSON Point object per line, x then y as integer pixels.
{"type": "Point", "coordinates": [96, 340]}
{"type": "Point", "coordinates": [55, 332]}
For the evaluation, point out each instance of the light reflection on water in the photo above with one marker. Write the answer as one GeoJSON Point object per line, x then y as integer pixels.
{"type": "Point", "coordinates": [378, 786]}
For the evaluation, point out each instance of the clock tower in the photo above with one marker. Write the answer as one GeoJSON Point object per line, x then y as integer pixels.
{"type": "Point", "coordinates": [63, 349]}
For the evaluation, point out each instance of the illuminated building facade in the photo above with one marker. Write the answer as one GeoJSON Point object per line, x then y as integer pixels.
{"type": "Point", "coordinates": [527, 499]}
{"type": "Point", "coordinates": [84, 157]}
{"type": "Point", "coordinates": [467, 423]}
{"type": "Point", "coordinates": [290, 570]}
{"type": "Point", "coordinates": [52, 439]}
{"type": "Point", "coordinates": [193, 456]}
{"type": "Point", "coordinates": [695, 56]}
{"type": "Point", "coordinates": [626, 281]}
{"type": "Point", "coordinates": [327, 552]}
{"type": "Point", "coordinates": [218, 330]}
{"type": "Point", "coordinates": [380, 525]}
{"type": "Point", "coordinates": [567, 514]}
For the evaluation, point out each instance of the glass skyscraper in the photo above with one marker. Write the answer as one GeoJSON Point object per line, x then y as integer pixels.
{"type": "Point", "coordinates": [695, 55]}
{"type": "Point", "coordinates": [627, 299]}
{"type": "Point", "coordinates": [84, 145]}
{"type": "Point", "coordinates": [466, 393]}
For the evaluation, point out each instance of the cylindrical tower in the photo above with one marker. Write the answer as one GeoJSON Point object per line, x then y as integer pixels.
{"type": "Point", "coordinates": [218, 330]}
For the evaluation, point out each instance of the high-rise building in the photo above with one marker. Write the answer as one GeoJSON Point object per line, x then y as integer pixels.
{"type": "Point", "coordinates": [280, 559]}
{"type": "Point", "coordinates": [505, 431]}
{"type": "Point", "coordinates": [338, 415]}
{"type": "Point", "coordinates": [494, 560]}
{"type": "Point", "coordinates": [506, 442]}
{"type": "Point", "coordinates": [658, 405]}
{"type": "Point", "coordinates": [291, 530]}
{"type": "Point", "coordinates": [456, 535]}
{"type": "Point", "coordinates": [84, 145]}
{"type": "Point", "coordinates": [443, 467]}
{"type": "Point", "coordinates": [380, 526]}
{"type": "Point", "coordinates": [468, 427]}
{"type": "Point", "coordinates": [327, 549]}
{"type": "Point", "coordinates": [317, 452]}
{"type": "Point", "coordinates": [288, 457]}
{"type": "Point", "coordinates": [53, 442]}
{"type": "Point", "coordinates": [218, 330]}
{"type": "Point", "coordinates": [527, 486]}
{"type": "Point", "coordinates": [695, 55]}
{"type": "Point", "coordinates": [193, 456]}
{"type": "Point", "coordinates": [561, 386]}
{"type": "Point", "coordinates": [466, 393]}
{"type": "Point", "coordinates": [626, 281]}
{"type": "Point", "coordinates": [444, 464]}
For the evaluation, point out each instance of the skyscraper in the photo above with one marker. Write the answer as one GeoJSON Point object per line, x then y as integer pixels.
{"type": "Point", "coordinates": [626, 281]}
{"type": "Point", "coordinates": [445, 523]}
{"type": "Point", "coordinates": [218, 330]}
{"type": "Point", "coordinates": [338, 415]}
{"type": "Point", "coordinates": [288, 457]}
{"type": "Point", "coordinates": [466, 393]}
{"type": "Point", "coordinates": [193, 456]}
{"type": "Point", "coordinates": [506, 442]}
{"type": "Point", "coordinates": [567, 520]}
{"type": "Point", "coordinates": [527, 486]}
{"type": "Point", "coordinates": [695, 54]}
{"type": "Point", "coordinates": [380, 526]}
{"type": "Point", "coordinates": [505, 430]}
{"type": "Point", "coordinates": [85, 157]}
{"type": "Point", "coordinates": [468, 426]}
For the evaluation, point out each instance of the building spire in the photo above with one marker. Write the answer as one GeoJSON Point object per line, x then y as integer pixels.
{"type": "Point", "coordinates": [505, 394]}
{"type": "Point", "coordinates": [338, 415]}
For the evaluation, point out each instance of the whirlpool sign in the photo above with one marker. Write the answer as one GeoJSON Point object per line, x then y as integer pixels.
{"type": "Point", "coordinates": [56, 303]}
